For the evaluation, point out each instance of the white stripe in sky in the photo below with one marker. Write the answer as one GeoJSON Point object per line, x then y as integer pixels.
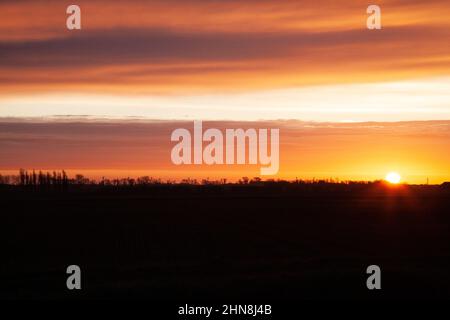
{"type": "Point", "coordinates": [423, 99]}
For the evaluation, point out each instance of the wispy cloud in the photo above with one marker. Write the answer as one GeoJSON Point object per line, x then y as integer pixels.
{"type": "Point", "coordinates": [167, 47]}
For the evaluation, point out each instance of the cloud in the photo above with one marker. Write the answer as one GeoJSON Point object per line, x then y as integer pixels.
{"type": "Point", "coordinates": [173, 46]}
{"type": "Point", "coordinates": [307, 149]}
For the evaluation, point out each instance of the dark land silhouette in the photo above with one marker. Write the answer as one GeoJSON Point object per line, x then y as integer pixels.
{"type": "Point", "coordinates": [143, 238]}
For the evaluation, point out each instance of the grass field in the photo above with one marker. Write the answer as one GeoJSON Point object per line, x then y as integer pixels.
{"type": "Point", "coordinates": [219, 242]}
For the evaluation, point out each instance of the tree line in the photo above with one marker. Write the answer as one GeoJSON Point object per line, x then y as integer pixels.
{"type": "Point", "coordinates": [60, 179]}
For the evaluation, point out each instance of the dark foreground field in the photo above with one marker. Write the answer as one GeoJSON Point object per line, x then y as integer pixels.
{"type": "Point", "coordinates": [251, 242]}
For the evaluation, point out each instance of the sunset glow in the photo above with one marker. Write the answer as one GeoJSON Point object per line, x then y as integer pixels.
{"type": "Point", "coordinates": [350, 102]}
{"type": "Point", "coordinates": [393, 177]}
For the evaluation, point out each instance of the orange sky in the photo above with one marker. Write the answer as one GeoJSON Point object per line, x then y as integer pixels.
{"type": "Point", "coordinates": [177, 46]}
{"type": "Point", "coordinates": [356, 151]}
{"type": "Point", "coordinates": [253, 60]}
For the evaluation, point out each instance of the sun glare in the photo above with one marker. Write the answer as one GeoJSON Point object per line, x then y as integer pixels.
{"type": "Point", "coordinates": [393, 177]}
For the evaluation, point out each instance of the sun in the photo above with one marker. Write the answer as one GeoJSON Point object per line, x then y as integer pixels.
{"type": "Point", "coordinates": [393, 177]}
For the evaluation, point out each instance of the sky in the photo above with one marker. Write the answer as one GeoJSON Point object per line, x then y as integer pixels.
{"type": "Point", "coordinates": [248, 62]}
{"type": "Point", "coordinates": [344, 151]}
